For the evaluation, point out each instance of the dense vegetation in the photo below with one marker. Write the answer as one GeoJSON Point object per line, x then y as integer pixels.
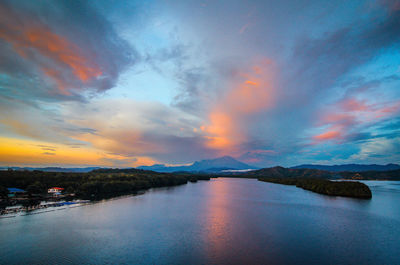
{"type": "Point", "coordinates": [316, 180]}
{"type": "Point", "coordinates": [97, 184]}
{"type": "Point", "coordinates": [334, 188]}
{"type": "Point", "coordinates": [106, 183]}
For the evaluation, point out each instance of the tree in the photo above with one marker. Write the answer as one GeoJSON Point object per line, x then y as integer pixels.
{"type": "Point", "coordinates": [35, 188]}
{"type": "Point", "coordinates": [3, 192]}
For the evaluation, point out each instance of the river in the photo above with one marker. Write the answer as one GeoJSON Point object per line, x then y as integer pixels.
{"type": "Point", "coordinates": [222, 221]}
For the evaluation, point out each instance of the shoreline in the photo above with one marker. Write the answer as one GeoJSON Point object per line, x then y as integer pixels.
{"type": "Point", "coordinates": [23, 212]}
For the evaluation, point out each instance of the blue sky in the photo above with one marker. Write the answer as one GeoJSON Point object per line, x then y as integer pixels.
{"type": "Point", "coordinates": [125, 83]}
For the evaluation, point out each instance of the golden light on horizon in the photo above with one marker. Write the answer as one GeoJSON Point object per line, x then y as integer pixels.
{"type": "Point", "coordinates": [30, 153]}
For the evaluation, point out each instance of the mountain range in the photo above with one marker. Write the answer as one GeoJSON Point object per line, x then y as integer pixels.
{"type": "Point", "coordinates": [281, 173]}
{"type": "Point", "coordinates": [225, 164]}
{"type": "Point", "coordinates": [208, 165]}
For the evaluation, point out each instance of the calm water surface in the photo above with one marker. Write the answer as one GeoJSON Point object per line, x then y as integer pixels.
{"type": "Point", "coordinates": [222, 221]}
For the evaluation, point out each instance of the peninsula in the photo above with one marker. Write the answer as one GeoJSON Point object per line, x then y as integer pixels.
{"type": "Point", "coordinates": [352, 189]}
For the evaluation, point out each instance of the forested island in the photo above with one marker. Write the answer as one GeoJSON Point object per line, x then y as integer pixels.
{"type": "Point", "coordinates": [352, 189]}
{"type": "Point", "coordinates": [314, 180]}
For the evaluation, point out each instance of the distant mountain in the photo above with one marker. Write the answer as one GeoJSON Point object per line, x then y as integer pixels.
{"type": "Point", "coordinates": [164, 168]}
{"type": "Point", "coordinates": [281, 172]}
{"type": "Point", "coordinates": [53, 169]}
{"type": "Point", "coordinates": [352, 167]}
{"type": "Point", "coordinates": [306, 173]}
{"type": "Point", "coordinates": [221, 162]}
{"type": "Point", "coordinates": [208, 165]}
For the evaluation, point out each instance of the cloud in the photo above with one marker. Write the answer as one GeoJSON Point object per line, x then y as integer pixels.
{"type": "Point", "coordinates": [133, 128]}
{"type": "Point", "coordinates": [63, 59]}
{"type": "Point", "coordinates": [47, 148]}
{"type": "Point", "coordinates": [378, 150]}
{"type": "Point", "coordinates": [312, 67]}
{"type": "Point", "coordinates": [35, 41]}
{"type": "Point", "coordinates": [242, 80]}
{"type": "Point", "coordinates": [347, 117]}
{"type": "Point", "coordinates": [261, 157]}
{"type": "Point", "coordinates": [252, 92]}
{"type": "Point", "coordinates": [329, 135]}
{"type": "Point", "coordinates": [49, 153]}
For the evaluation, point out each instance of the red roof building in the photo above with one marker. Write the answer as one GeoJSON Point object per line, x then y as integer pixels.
{"type": "Point", "coordinates": [55, 190]}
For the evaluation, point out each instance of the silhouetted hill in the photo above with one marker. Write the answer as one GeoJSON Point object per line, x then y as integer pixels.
{"type": "Point", "coordinates": [306, 173]}
{"type": "Point", "coordinates": [351, 167]}
{"type": "Point", "coordinates": [281, 172]}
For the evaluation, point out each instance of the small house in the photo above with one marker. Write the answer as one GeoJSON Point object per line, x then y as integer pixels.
{"type": "Point", "coordinates": [55, 190]}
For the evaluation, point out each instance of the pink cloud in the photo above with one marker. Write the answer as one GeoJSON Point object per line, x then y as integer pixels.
{"type": "Point", "coordinates": [353, 104]}
{"type": "Point", "coordinates": [350, 113]}
{"type": "Point", "coordinates": [329, 135]}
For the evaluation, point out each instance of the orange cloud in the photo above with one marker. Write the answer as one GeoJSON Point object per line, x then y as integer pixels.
{"type": "Point", "coordinates": [145, 161]}
{"type": "Point", "coordinates": [60, 50]}
{"type": "Point", "coordinates": [250, 96]}
{"type": "Point", "coordinates": [33, 36]}
{"type": "Point", "coordinates": [252, 92]}
{"type": "Point", "coordinates": [219, 130]}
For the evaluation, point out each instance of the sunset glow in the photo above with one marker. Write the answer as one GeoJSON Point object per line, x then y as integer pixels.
{"type": "Point", "coordinates": [128, 84]}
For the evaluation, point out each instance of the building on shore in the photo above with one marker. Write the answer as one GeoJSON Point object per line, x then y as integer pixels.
{"type": "Point", "coordinates": [12, 192]}
{"type": "Point", "coordinates": [55, 190]}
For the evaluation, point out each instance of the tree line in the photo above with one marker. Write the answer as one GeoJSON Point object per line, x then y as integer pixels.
{"type": "Point", "coordinates": [97, 184]}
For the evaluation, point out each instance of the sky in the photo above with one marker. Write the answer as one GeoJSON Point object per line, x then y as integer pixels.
{"type": "Point", "coordinates": [130, 83]}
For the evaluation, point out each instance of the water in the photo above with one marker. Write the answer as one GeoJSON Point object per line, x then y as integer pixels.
{"type": "Point", "coordinates": [222, 221]}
